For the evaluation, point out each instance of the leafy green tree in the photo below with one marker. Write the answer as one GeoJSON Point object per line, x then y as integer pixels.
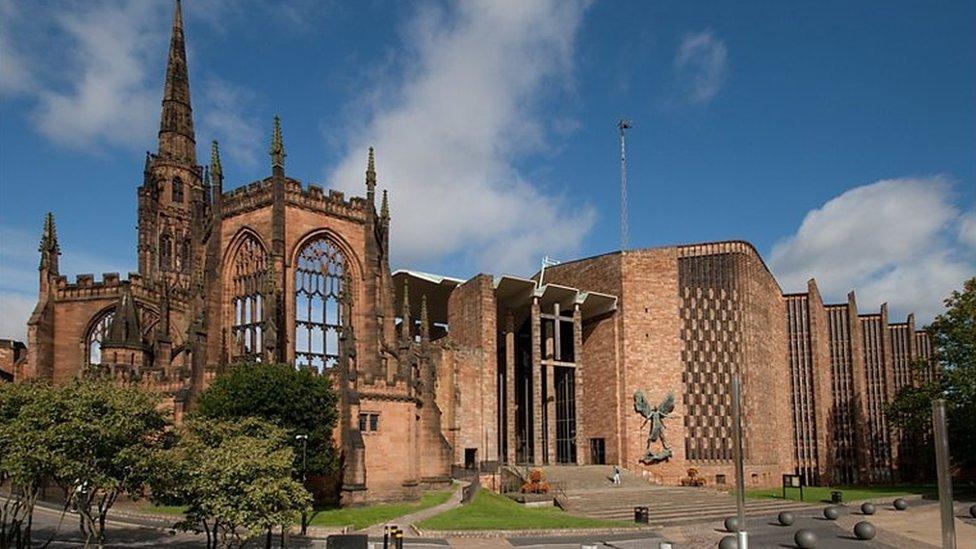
{"type": "Point", "coordinates": [96, 440]}
{"type": "Point", "coordinates": [106, 440]}
{"type": "Point", "coordinates": [953, 336]}
{"type": "Point", "coordinates": [299, 401]}
{"type": "Point", "coordinates": [25, 456]}
{"type": "Point", "coordinates": [235, 479]}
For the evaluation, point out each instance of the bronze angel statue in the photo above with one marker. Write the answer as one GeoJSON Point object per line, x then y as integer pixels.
{"type": "Point", "coordinates": [656, 416]}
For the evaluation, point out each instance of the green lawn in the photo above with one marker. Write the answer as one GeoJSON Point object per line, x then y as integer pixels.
{"type": "Point", "coordinates": [361, 517]}
{"type": "Point", "coordinates": [490, 511]}
{"type": "Point", "coordinates": [851, 493]}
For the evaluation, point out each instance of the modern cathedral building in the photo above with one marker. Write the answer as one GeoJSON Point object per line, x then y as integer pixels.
{"type": "Point", "coordinates": [436, 373]}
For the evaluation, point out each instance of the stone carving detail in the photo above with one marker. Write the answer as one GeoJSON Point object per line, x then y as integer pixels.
{"type": "Point", "coordinates": [656, 416]}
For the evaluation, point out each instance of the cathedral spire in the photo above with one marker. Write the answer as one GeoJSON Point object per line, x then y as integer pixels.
{"type": "Point", "coordinates": [370, 177]}
{"type": "Point", "coordinates": [385, 207]}
{"type": "Point", "coordinates": [424, 321]}
{"type": "Point", "coordinates": [49, 248]}
{"type": "Point", "coordinates": [176, 137]}
{"type": "Point", "coordinates": [216, 173]}
{"type": "Point", "coordinates": [277, 150]}
{"type": "Point", "coordinates": [406, 324]}
{"type": "Point", "coordinates": [216, 170]}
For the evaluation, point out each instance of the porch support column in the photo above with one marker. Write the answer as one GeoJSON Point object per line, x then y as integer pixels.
{"type": "Point", "coordinates": [510, 384]}
{"type": "Point", "coordinates": [550, 414]}
{"type": "Point", "coordinates": [537, 425]}
{"type": "Point", "coordinates": [581, 457]}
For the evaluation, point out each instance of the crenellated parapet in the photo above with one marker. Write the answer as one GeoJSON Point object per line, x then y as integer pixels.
{"type": "Point", "coordinates": [250, 197]}
{"type": "Point", "coordinates": [331, 203]}
{"type": "Point", "coordinates": [260, 194]}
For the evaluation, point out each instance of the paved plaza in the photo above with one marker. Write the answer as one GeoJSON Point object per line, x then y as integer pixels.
{"type": "Point", "coordinates": [918, 527]}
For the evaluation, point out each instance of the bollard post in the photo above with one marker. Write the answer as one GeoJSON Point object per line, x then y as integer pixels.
{"type": "Point", "coordinates": [944, 476]}
{"type": "Point", "coordinates": [386, 536]}
{"type": "Point", "coordinates": [399, 538]}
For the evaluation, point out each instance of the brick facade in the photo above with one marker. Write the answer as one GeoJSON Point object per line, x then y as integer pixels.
{"type": "Point", "coordinates": [435, 373]}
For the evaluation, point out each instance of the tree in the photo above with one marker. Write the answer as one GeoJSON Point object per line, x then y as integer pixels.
{"type": "Point", "coordinates": [235, 479]}
{"type": "Point", "coordinates": [953, 335]}
{"type": "Point", "coordinates": [299, 401]}
{"type": "Point", "coordinates": [96, 440]}
{"type": "Point", "coordinates": [105, 442]}
{"type": "Point", "coordinates": [25, 456]}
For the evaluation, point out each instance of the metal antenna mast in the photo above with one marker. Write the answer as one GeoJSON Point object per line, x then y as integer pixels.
{"type": "Point", "coordinates": [623, 124]}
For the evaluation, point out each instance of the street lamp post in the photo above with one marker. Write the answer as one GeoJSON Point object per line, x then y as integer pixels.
{"type": "Point", "coordinates": [740, 483]}
{"type": "Point", "coordinates": [304, 439]}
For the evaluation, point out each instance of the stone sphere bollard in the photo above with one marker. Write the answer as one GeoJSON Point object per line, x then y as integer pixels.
{"type": "Point", "coordinates": [732, 524]}
{"type": "Point", "coordinates": [786, 518]}
{"type": "Point", "coordinates": [972, 511]}
{"type": "Point", "coordinates": [831, 513]}
{"type": "Point", "coordinates": [900, 504]}
{"type": "Point", "coordinates": [805, 539]}
{"type": "Point", "coordinates": [729, 542]}
{"type": "Point", "coordinates": [864, 530]}
{"type": "Point", "coordinates": [867, 508]}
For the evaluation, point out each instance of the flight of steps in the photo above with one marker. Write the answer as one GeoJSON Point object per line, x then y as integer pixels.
{"type": "Point", "coordinates": [586, 490]}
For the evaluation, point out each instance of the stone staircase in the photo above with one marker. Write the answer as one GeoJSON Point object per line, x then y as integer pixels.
{"type": "Point", "coordinates": [587, 491]}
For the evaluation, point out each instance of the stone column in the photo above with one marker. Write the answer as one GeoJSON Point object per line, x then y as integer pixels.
{"type": "Point", "coordinates": [510, 387]}
{"type": "Point", "coordinates": [536, 383]}
{"type": "Point", "coordinates": [578, 384]}
{"type": "Point", "coordinates": [550, 414]}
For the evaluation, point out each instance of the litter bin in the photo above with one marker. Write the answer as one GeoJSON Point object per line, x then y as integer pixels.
{"type": "Point", "coordinates": [836, 496]}
{"type": "Point", "coordinates": [641, 515]}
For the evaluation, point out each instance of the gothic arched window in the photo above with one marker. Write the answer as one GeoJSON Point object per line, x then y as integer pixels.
{"type": "Point", "coordinates": [318, 312]}
{"type": "Point", "coordinates": [177, 190]}
{"type": "Point", "coordinates": [250, 266]}
{"type": "Point", "coordinates": [96, 334]}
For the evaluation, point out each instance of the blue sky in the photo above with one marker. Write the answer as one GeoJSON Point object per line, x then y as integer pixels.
{"type": "Point", "coordinates": [837, 137]}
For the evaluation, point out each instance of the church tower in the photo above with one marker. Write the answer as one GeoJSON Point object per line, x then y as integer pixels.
{"type": "Point", "coordinates": [173, 201]}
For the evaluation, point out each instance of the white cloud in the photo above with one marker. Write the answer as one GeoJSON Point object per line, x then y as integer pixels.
{"type": "Point", "coordinates": [700, 67]}
{"type": "Point", "coordinates": [447, 140]}
{"type": "Point", "coordinates": [16, 308]}
{"type": "Point", "coordinates": [224, 117]}
{"type": "Point", "coordinates": [894, 241]}
{"type": "Point", "coordinates": [106, 97]}
{"type": "Point", "coordinates": [967, 229]}
{"type": "Point", "coordinates": [96, 79]}
{"type": "Point", "coordinates": [15, 76]}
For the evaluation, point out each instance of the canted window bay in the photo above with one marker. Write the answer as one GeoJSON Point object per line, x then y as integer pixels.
{"type": "Point", "coordinates": [318, 310]}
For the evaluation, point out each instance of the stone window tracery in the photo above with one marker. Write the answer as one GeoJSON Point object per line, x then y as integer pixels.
{"type": "Point", "coordinates": [250, 267]}
{"type": "Point", "coordinates": [318, 311]}
{"type": "Point", "coordinates": [97, 333]}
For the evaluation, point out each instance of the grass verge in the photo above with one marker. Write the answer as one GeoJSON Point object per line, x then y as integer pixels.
{"type": "Point", "coordinates": [816, 494]}
{"type": "Point", "coordinates": [361, 517]}
{"type": "Point", "coordinates": [490, 511]}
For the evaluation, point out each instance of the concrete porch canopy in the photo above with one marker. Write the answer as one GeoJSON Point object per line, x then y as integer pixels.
{"type": "Point", "coordinates": [437, 288]}
{"type": "Point", "coordinates": [516, 294]}
{"type": "Point", "coordinates": [512, 293]}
